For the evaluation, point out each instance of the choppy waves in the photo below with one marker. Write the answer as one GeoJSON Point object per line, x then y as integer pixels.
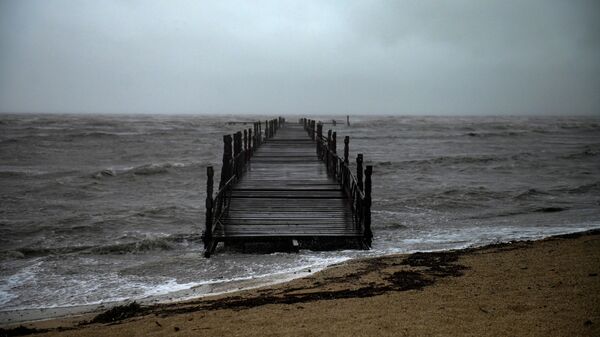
{"type": "Point", "coordinates": [141, 246]}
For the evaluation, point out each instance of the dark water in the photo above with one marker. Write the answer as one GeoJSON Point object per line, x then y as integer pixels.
{"type": "Point", "coordinates": [102, 208]}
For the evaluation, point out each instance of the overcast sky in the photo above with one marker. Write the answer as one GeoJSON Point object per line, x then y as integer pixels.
{"type": "Point", "coordinates": [507, 57]}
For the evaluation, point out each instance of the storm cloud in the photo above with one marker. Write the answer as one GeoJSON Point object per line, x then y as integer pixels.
{"type": "Point", "coordinates": [429, 57]}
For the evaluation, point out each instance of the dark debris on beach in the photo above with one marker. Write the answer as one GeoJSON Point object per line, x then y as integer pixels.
{"type": "Point", "coordinates": [20, 331]}
{"type": "Point", "coordinates": [119, 313]}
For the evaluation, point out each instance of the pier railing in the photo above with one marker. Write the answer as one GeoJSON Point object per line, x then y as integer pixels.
{"type": "Point", "coordinates": [238, 149]}
{"type": "Point", "coordinates": [357, 191]}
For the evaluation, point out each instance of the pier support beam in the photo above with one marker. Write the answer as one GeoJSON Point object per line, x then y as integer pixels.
{"type": "Point", "coordinates": [207, 238]}
{"type": "Point", "coordinates": [227, 166]}
{"type": "Point", "coordinates": [359, 171]}
{"type": "Point", "coordinates": [245, 156]}
{"type": "Point", "coordinates": [334, 149]}
{"type": "Point", "coordinates": [368, 232]}
{"type": "Point", "coordinates": [320, 140]}
{"type": "Point", "coordinates": [346, 149]}
{"type": "Point", "coordinates": [328, 161]}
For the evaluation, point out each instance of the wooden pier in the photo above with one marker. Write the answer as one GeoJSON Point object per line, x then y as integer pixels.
{"type": "Point", "coordinates": [287, 186]}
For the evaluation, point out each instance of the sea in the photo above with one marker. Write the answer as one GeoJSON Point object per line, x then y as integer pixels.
{"type": "Point", "coordinates": [103, 208]}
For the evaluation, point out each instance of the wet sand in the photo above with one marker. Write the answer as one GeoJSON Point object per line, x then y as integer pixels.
{"type": "Point", "coordinates": [543, 288]}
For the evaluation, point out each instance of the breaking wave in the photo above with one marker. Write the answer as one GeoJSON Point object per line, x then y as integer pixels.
{"type": "Point", "coordinates": [493, 134]}
{"type": "Point", "coordinates": [142, 170]}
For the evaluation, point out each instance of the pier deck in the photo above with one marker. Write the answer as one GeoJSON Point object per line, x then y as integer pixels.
{"type": "Point", "coordinates": [289, 186]}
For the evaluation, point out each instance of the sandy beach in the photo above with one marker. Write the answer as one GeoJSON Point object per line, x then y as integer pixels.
{"type": "Point", "coordinates": [542, 288]}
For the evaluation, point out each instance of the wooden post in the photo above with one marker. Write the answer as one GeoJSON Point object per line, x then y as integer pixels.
{"type": "Point", "coordinates": [266, 130]}
{"type": "Point", "coordinates": [240, 152]}
{"type": "Point", "coordinates": [328, 154]}
{"type": "Point", "coordinates": [312, 130]}
{"type": "Point", "coordinates": [259, 135]}
{"type": "Point", "coordinates": [237, 149]}
{"type": "Point", "coordinates": [348, 120]}
{"type": "Point", "coordinates": [359, 170]}
{"type": "Point", "coordinates": [320, 140]}
{"type": "Point", "coordinates": [250, 143]}
{"type": "Point", "coordinates": [235, 152]}
{"type": "Point", "coordinates": [245, 145]}
{"type": "Point", "coordinates": [346, 149]}
{"type": "Point", "coordinates": [368, 233]}
{"type": "Point", "coordinates": [334, 140]}
{"type": "Point", "coordinates": [250, 132]}
{"type": "Point", "coordinates": [226, 168]}
{"type": "Point", "coordinates": [209, 206]}
{"type": "Point", "coordinates": [346, 167]}
{"type": "Point", "coordinates": [334, 148]}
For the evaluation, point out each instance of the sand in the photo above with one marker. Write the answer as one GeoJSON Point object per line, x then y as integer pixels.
{"type": "Point", "coordinates": [543, 288]}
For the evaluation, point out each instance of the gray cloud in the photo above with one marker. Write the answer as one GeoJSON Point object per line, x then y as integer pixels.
{"type": "Point", "coordinates": [277, 57]}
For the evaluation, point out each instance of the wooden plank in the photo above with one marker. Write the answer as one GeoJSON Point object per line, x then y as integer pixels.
{"type": "Point", "coordinates": [342, 221]}
{"type": "Point", "coordinates": [302, 203]}
{"type": "Point", "coordinates": [289, 234]}
{"type": "Point", "coordinates": [247, 186]}
{"type": "Point", "coordinates": [251, 214]}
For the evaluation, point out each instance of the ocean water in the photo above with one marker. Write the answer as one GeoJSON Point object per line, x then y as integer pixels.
{"type": "Point", "coordinates": [101, 208]}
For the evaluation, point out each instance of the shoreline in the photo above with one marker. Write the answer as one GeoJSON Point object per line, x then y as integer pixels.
{"type": "Point", "coordinates": [9, 318]}
{"type": "Point", "coordinates": [353, 280]}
